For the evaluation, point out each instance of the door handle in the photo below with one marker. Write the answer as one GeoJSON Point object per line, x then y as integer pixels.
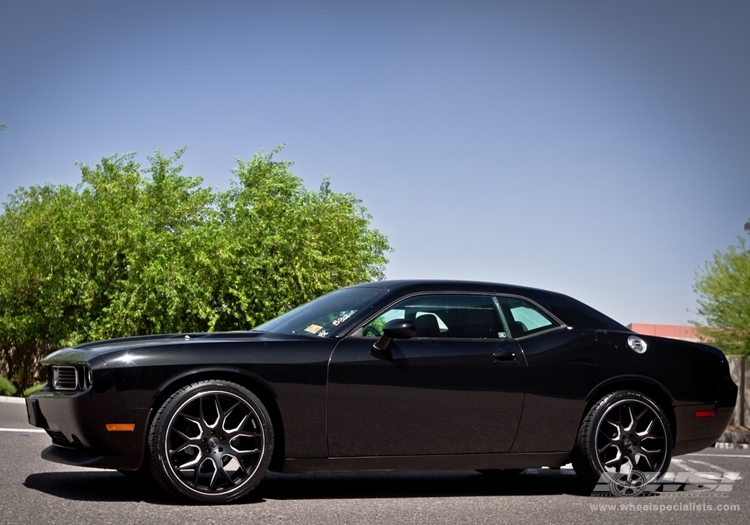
{"type": "Point", "coordinates": [504, 355]}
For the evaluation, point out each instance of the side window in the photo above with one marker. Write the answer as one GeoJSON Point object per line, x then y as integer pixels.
{"type": "Point", "coordinates": [445, 316]}
{"type": "Point", "coordinates": [524, 318]}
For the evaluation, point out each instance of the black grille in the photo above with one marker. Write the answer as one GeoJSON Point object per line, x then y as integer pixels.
{"type": "Point", "coordinates": [69, 377]}
{"type": "Point", "coordinates": [59, 439]}
{"type": "Point", "coordinates": [65, 378]}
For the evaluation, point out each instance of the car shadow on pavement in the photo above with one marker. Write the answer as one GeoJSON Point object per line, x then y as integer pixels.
{"type": "Point", "coordinates": [421, 484]}
{"type": "Point", "coordinates": [113, 486]}
{"type": "Point", "coordinates": [97, 485]}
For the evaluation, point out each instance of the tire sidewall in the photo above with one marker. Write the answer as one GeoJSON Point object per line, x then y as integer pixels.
{"type": "Point", "coordinates": [601, 409]}
{"type": "Point", "coordinates": [585, 457]}
{"type": "Point", "coordinates": [159, 433]}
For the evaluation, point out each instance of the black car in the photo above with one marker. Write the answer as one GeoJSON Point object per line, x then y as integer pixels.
{"type": "Point", "coordinates": [386, 376]}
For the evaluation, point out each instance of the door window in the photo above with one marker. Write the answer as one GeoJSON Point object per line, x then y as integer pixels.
{"type": "Point", "coordinates": [446, 316]}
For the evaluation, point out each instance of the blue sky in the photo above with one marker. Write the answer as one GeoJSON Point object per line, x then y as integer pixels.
{"type": "Point", "coordinates": [599, 148]}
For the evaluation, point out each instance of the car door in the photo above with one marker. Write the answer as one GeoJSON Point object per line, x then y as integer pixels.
{"type": "Point", "coordinates": [455, 388]}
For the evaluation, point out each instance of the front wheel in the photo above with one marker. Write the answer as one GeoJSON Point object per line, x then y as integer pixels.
{"type": "Point", "coordinates": [211, 442]}
{"type": "Point", "coordinates": [625, 441]}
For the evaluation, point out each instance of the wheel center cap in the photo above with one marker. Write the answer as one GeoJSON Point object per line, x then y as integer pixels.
{"type": "Point", "coordinates": [214, 442]}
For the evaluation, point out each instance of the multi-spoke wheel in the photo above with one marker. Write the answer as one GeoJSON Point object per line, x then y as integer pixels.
{"type": "Point", "coordinates": [211, 442]}
{"type": "Point", "coordinates": [625, 436]}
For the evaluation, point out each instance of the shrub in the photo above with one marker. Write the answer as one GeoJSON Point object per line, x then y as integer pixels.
{"type": "Point", "coordinates": [32, 389]}
{"type": "Point", "coordinates": [134, 251]}
{"type": "Point", "coordinates": [6, 387]}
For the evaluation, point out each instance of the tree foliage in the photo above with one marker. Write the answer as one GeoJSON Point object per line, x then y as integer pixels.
{"type": "Point", "coordinates": [723, 288]}
{"type": "Point", "coordinates": [134, 251]}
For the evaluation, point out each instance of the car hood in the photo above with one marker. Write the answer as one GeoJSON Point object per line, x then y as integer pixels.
{"type": "Point", "coordinates": [141, 344]}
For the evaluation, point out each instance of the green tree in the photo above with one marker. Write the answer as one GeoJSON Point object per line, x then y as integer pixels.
{"type": "Point", "coordinates": [723, 288]}
{"type": "Point", "coordinates": [109, 258]}
{"type": "Point", "coordinates": [134, 251]}
{"type": "Point", "coordinates": [284, 245]}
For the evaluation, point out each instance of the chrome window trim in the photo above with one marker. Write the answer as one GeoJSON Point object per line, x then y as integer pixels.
{"type": "Point", "coordinates": [540, 307]}
{"type": "Point", "coordinates": [354, 331]}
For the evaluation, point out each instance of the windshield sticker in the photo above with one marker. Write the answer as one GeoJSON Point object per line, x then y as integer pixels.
{"type": "Point", "coordinates": [313, 329]}
{"type": "Point", "coordinates": [340, 320]}
{"type": "Point", "coordinates": [324, 333]}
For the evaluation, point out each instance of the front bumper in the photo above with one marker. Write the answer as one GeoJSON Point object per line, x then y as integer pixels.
{"type": "Point", "coordinates": [77, 423]}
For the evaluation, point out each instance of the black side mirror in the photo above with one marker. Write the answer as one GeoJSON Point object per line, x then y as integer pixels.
{"type": "Point", "coordinates": [395, 329]}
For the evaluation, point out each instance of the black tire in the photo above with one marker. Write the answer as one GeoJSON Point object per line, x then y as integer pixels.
{"type": "Point", "coordinates": [211, 442]}
{"type": "Point", "coordinates": [626, 436]}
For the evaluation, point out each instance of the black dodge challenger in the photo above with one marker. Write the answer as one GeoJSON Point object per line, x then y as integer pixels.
{"type": "Point", "coordinates": [386, 376]}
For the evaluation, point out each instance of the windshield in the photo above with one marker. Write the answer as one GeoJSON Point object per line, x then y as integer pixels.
{"type": "Point", "coordinates": [325, 314]}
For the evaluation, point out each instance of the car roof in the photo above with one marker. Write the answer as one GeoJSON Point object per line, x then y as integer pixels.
{"type": "Point", "coordinates": [570, 311]}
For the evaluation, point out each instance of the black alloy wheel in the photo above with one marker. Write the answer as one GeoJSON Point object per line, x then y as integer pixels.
{"type": "Point", "coordinates": [626, 437]}
{"type": "Point", "coordinates": [211, 442]}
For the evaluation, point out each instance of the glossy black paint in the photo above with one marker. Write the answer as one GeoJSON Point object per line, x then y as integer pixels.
{"type": "Point", "coordinates": [394, 329]}
{"type": "Point", "coordinates": [428, 397]}
{"type": "Point", "coordinates": [337, 403]}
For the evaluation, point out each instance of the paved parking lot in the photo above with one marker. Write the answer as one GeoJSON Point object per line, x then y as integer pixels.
{"type": "Point", "coordinates": [34, 491]}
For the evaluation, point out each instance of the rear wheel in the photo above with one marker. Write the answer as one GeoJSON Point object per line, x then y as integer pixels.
{"type": "Point", "coordinates": [626, 438]}
{"type": "Point", "coordinates": [211, 442]}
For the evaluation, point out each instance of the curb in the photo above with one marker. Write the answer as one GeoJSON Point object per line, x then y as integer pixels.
{"type": "Point", "coordinates": [736, 435]}
{"type": "Point", "coordinates": [15, 400]}
{"type": "Point", "coordinates": [722, 444]}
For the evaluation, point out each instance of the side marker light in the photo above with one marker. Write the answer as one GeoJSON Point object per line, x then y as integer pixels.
{"type": "Point", "coordinates": [705, 413]}
{"type": "Point", "coordinates": [120, 427]}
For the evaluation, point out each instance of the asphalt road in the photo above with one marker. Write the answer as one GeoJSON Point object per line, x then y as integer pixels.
{"type": "Point", "coordinates": [34, 491]}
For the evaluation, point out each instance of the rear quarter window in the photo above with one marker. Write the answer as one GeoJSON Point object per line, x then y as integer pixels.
{"type": "Point", "coordinates": [525, 318]}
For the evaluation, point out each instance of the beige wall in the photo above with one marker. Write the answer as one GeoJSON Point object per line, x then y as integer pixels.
{"type": "Point", "coordinates": [739, 367]}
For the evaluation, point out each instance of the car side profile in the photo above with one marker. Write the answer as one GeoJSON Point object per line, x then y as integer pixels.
{"type": "Point", "coordinates": [390, 375]}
